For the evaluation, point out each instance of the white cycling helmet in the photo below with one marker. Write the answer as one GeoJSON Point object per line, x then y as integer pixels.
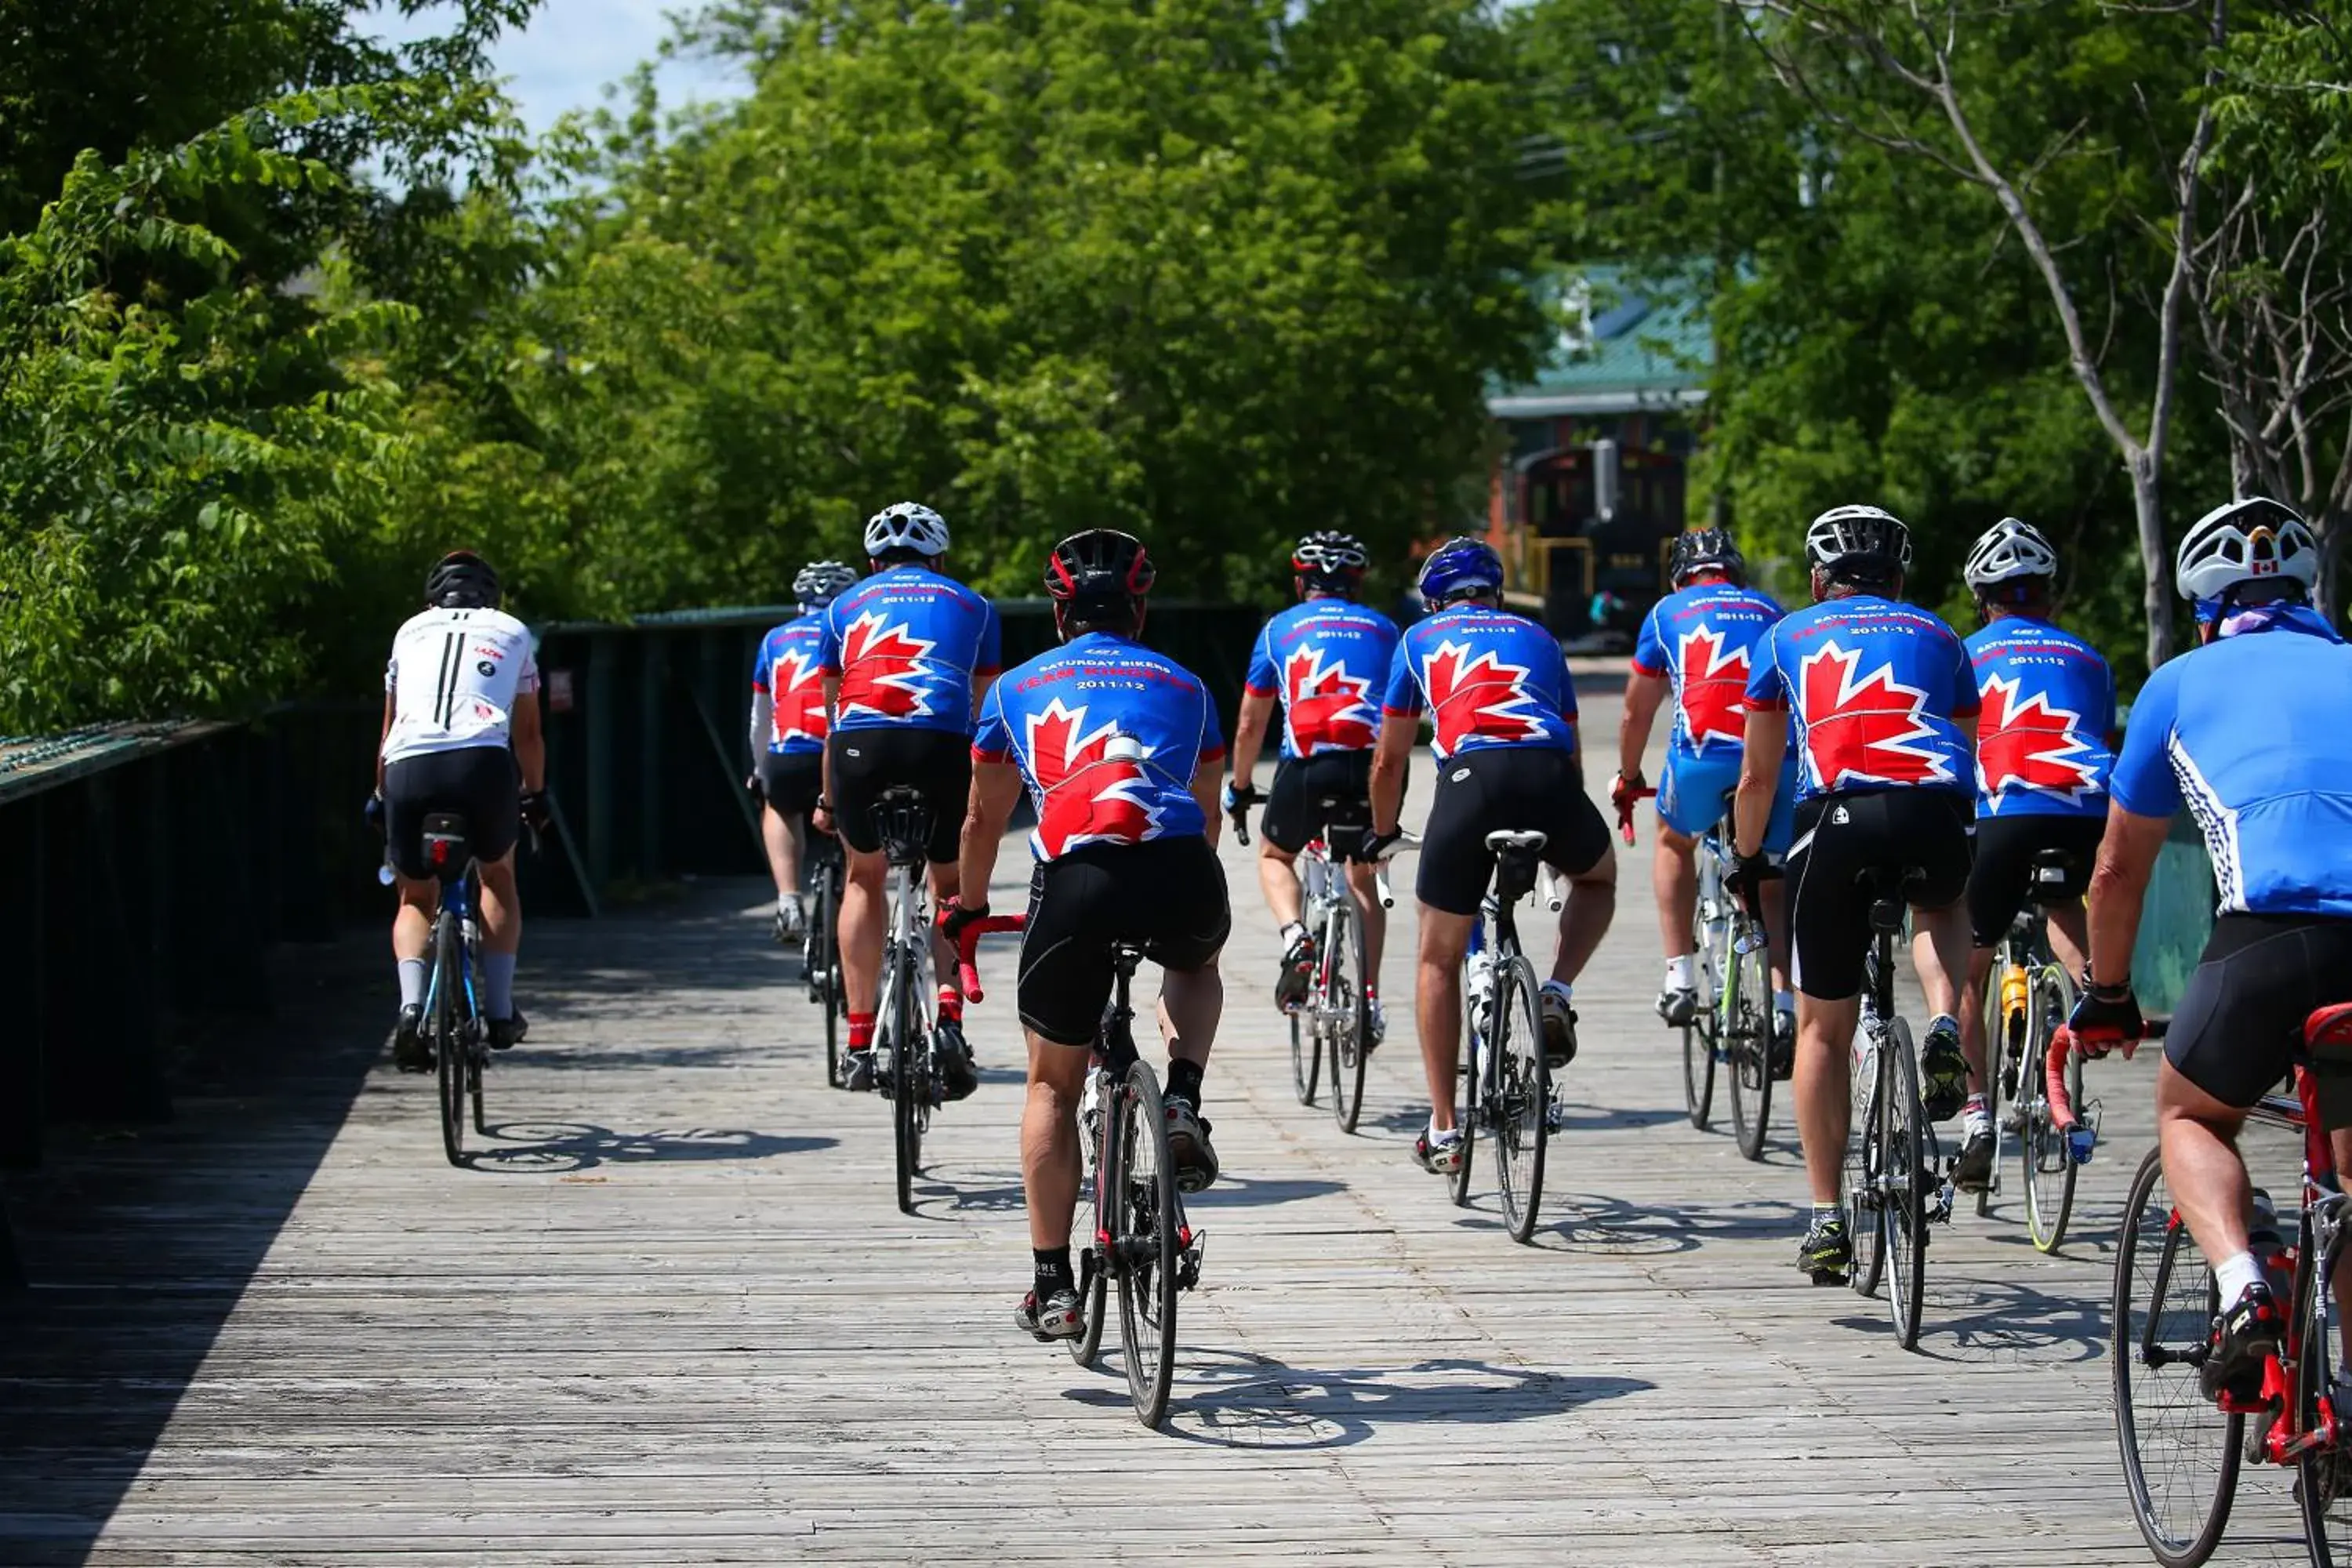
{"type": "Point", "coordinates": [2008, 548]}
{"type": "Point", "coordinates": [909, 525]}
{"type": "Point", "coordinates": [2256, 540]}
{"type": "Point", "coordinates": [1858, 536]}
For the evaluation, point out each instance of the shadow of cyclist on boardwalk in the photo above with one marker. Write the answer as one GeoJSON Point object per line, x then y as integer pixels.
{"type": "Point", "coordinates": [945, 1193]}
{"type": "Point", "coordinates": [1234, 1399]}
{"type": "Point", "coordinates": [542, 1148]}
{"type": "Point", "coordinates": [1592, 1222]}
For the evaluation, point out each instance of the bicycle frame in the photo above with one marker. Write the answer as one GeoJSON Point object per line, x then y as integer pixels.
{"type": "Point", "coordinates": [456, 903]}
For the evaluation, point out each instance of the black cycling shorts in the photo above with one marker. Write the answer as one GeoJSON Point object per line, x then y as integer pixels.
{"type": "Point", "coordinates": [1294, 806]}
{"type": "Point", "coordinates": [1852, 850]}
{"type": "Point", "coordinates": [2004, 873]}
{"type": "Point", "coordinates": [1527, 789]}
{"type": "Point", "coordinates": [790, 781]}
{"type": "Point", "coordinates": [1168, 896]}
{"type": "Point", "coordinates": [866, 762]}
{"type": "Point", "coordinates": [2239, 1023]}
{"type": "Point", "coordinates": [481, 783]}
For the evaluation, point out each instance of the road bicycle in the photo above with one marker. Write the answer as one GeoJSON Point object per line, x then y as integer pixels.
{"type": "Point", "coordinates": [2181, 1450]}
{"type": "Point", "coordinates": [906, 1046]}
{"type": "Point", "coordinates": [1141, 1238]}
{"type": "Point", "coordinates": [453, 1025]}
{"type": "Point", "coordinates": [1894, 1179]}
{"type": "Point", "coordinates": [821, 948]}
{"type": "Point", "coordinates": [1508, 1088]}
{"type": "Point", "coordinates": [2028, 998]}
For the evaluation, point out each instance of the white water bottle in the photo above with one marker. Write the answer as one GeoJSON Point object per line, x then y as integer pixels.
{"type": "Point", "coordinates": [1478, 976]}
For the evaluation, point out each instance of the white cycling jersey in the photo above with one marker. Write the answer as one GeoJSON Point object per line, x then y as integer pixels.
{"type": "Point", "coordinates": [453, 679]}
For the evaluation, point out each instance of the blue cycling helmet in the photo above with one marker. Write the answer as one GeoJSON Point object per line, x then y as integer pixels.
{"type": "Point", "coordinates": [1458, 568]}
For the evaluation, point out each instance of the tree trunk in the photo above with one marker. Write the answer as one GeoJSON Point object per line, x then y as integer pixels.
{"type": "Point", "coordinates": [2327, 525]}
{"type": "Point", "coordinates": [2147, 506]}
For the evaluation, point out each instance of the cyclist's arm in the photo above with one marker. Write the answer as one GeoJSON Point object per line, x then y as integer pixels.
{"type": "Point", "coordinates": [529, 742]}
{"type": "Point", "coordinates": [390, 702]}
{"type": "Point", "coordinates": [1389, 757]}
{"type": "Point", "coordinates": [763, 725]}
{"type": "Point", "coordinates": [1643, 694]}
{"type": "Point", "coordinates": [996, 788]}
{"type": "Point", "coordinates": [1764, 742]}
{"type": "Point", "coordinates": [2118, 883]}
{"type": "Point", "coordinates": [1249, 736]}
{"type": "Point", "coordinates": [1208, 786]}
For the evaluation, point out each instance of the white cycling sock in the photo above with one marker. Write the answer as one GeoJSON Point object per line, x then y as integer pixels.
{"type": "Point", "coordinates": [1678, 974]}
{"type": "Point", "coordinates": [1291, 932]}
{"type": "Point", "coordinates": [414, 972]}
{"type": "Point", "coordinates": [1559, 988]}
{"type": "Point", "coordinates": [2234, 1275]}
{"type": "Point", "coordinates": [788, 903]}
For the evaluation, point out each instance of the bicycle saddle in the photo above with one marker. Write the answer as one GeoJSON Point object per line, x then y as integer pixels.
{"type": "Point", "coordinates": [1887, 915]}
{"type": "Point", "coordinates": [449, 842]}
{"type": "Point", "coordinates": [1521, 843]}
{"type": "Point", "coordinates": [902, 820]}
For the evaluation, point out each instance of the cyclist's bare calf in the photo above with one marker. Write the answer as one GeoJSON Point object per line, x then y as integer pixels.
{"type": "Point", "coordinates": [500, 910]}
{"type": "Point", "coordinates": [786, 840]}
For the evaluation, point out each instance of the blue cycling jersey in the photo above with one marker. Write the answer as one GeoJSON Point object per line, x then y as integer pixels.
{"type": "Point", "coordinates": [2041, 736]}
{"type": "Point", "coordinates": [2253, 733]}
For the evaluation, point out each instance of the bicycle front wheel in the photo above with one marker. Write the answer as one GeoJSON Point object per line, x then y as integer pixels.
{"type": "Point", "coordinates": [1347, 1012]}
{"type": "Point", "coordinates": [2180, 1452]}
{"type": "Point", "coordinates": [1868, 1084]}
{"type": "Point", "coordinates": [1144, 1244]}
{"type": "Point", "coordinates": [1747, 1016]}
{"type": "Point", "coordinates": [1522, 1084]}
{"type": "Point", "coordinates": [1094, 1273]}
{"type": "Point", "coordinates": [2049, 1163]}
{"type": "Point", "coordinates": [1904, 1181]}
{"type": "Point", "coordinates": [448, 1026]}
{"type": "Point", "coordinates": [1306, 1059]}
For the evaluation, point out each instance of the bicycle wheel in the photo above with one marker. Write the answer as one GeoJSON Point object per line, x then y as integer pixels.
{"type": "Point", "coordinates": [2049, 1163]}
{"type": "Point", "coordinates": [448, 1048]}
{"type": "Point", "coordinates": [1094, 1277]}
{"type": "Point", "coordinates": [2324, 1473]}
{"type": "Point", "coordinates": [1748, 1048]}
{"type": "Point", "coordinates": [2180, 1452]}
{"type": "Point", "coordinates": [1903, 1181]}
{"type": "Point", "coordinates": [1522, 1086]}
{"type": "Point", "coordinates": [1702, 1036]}
{"type": "Point", "coordinates": [1305, 1060]}
{"type": "Point", "coordinates": [1473, 1081]}
{"type": "Point", "coordinates": [2002, 1056]}
{"type": "Point", "coordinates": [905, 1075]}
{"type": "Point", "coordinates": [818, 966]}
{"type": "Point", "coordinates": [1145, 1244]}
{"type": "Point", "coordinates": [1860, 1177]}
{"type": "Point", "coordinates": [1348, 1012]}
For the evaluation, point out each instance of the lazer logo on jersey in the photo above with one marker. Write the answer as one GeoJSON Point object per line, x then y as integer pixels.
{"type": "Point", "coordinates": [2032, 744]}
{"type": "Point", "coordinates": [1482, 697]}
{"type": "Point", "coordinates": [1327, 709]}
{"type": "Point", "coordinates": [799, 697]}
{"type": "Point", "coordinates": [1087, 795]}
{"type": "Point", "coordinates": [1865, 729]}
{"type": "Point", "coordinates": [882, 670]}
{"type": "Point", "coordinates": [1714, 694]}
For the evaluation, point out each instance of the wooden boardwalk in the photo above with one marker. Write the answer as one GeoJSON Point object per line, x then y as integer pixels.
{"type": "Point", "coordinates": [676, 1318]}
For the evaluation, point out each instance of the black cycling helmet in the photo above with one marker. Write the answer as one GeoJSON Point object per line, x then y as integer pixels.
{"type": "Point", "coordinates": [462, 580]}
{"type": "Point", "coordinates": [1094, 574]}
{"type": "Point", "coordinates": [1706, 550]}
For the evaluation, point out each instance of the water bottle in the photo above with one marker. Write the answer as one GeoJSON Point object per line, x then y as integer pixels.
{"type": "Point", "coordinates": [470, 933]}
{"type": "Point", "coordinates": [1478, 976]}
{"type": "Point", "coordinates": [1090, 1109]}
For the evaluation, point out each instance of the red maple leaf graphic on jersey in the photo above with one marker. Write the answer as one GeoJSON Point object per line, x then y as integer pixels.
{"type": "Point", "coordinates": [798, 696]}
{"type": "Point", "coordinates": [882, 670]}
{"type": "Point", "coordinates": [1868, 730]}
{"type": "Point", "coordinates": [1089, 796]}
{"type": "Point", "coordinates": [1327, 709]}
{"type": "Point", "coordinates": [1714, 694]}
{"type": "Point", "coordinates": [1482, 697]}
{"type": "Point", "coordinates": [2031, 743]}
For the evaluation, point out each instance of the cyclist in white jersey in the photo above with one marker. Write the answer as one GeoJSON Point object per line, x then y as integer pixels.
{"type": "Point", "coordinates": [461, 734]}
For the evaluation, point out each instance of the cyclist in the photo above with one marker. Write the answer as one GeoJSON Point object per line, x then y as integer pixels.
{"type": "Point", "coordinates": [1497, 690]}
{"type": "Point", "coordinates": [908, 655]}
{"type": "Point", "coordinates": [1696, 644]}
{"type": "Point", "coordinates": [2043, 758]}
{"type": "Point", "coordinates": [788, 733]}
{"type": "Point", "coordinates": [461, 734]}
{"type": "Point", "coordinates": [1326, 656]}
{"type": "Point", "coordinates": [2252, 731]}
{"type": "Point", "coordinates": [1884, 709]}
{"type": "Point", "coordinates": [1121, 752]}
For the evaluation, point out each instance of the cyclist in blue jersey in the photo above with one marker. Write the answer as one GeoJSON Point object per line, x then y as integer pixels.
{"type": "Point", "coordinates": [1695, 646]}
{"type": "Point", "coordinates": [2043, 757]}
{"type": "Point", "coordinates": [907, 655]}
{"type": "Point", "coordinates": [1884, 710]}
{"type": "Point", "coordinates": [2253, 733]}
{"type": "Point", "coordinates": [1325, 660]}
{"type": "Point", "coordinates": [1121, 752]}
{"type": "Point", "coordinates": [1496, 692]}
{"type": "Point", "coordinates": [788, 733]}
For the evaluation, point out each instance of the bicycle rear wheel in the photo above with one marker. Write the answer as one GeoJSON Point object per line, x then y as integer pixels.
{"type": "Point", "coordinates": [1347, 1012]}
{"type": "Point", "coordinates": [1145, 1244]}
{"type": "Point", "coordinates": [1868, 1086]}
{"type": "Point", "coordinates": [1747, 1051]}
{"type": "Point", "coordinates": [1702, 1036]}
{"type": "Point", "coordinates": [2323, 1474]}
{"type": "Point", "coordinates": [1522, 1084]}
{"type": "Point", "coordinates": [448, 1027]}
{"type": "Point", "coordinates": [1903, 1179]}
{"type": "Point", "coordinates": [2180, 1452]}
{"type": "Point", "coordinates": [906, 1079]}
{"type": "Point", "coordinates": [2049, 1163]}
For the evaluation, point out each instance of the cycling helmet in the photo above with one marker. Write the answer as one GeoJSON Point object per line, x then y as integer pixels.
{"type": "Point", "coordinates": [1329, 553]}
{"type": "Point", "coordinates": [910, 527]}
{"type": "Point", "coordinates": [462, 580]}
{"type": "Point", "coordinates": [1706, 550]}
{"type": "Point", "coordinates": [1098, 567]}
{"type": "Point", "coordinates": [822, 582]}
{"type": "Point", "coordinates": [1858, 541]}
{"type": "Point", "coordinates": [1459, 567]}
{"type": "Point", "coordinates": [2011, 547]}
{"type": "Point", "coordinates": [2242, 541]}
